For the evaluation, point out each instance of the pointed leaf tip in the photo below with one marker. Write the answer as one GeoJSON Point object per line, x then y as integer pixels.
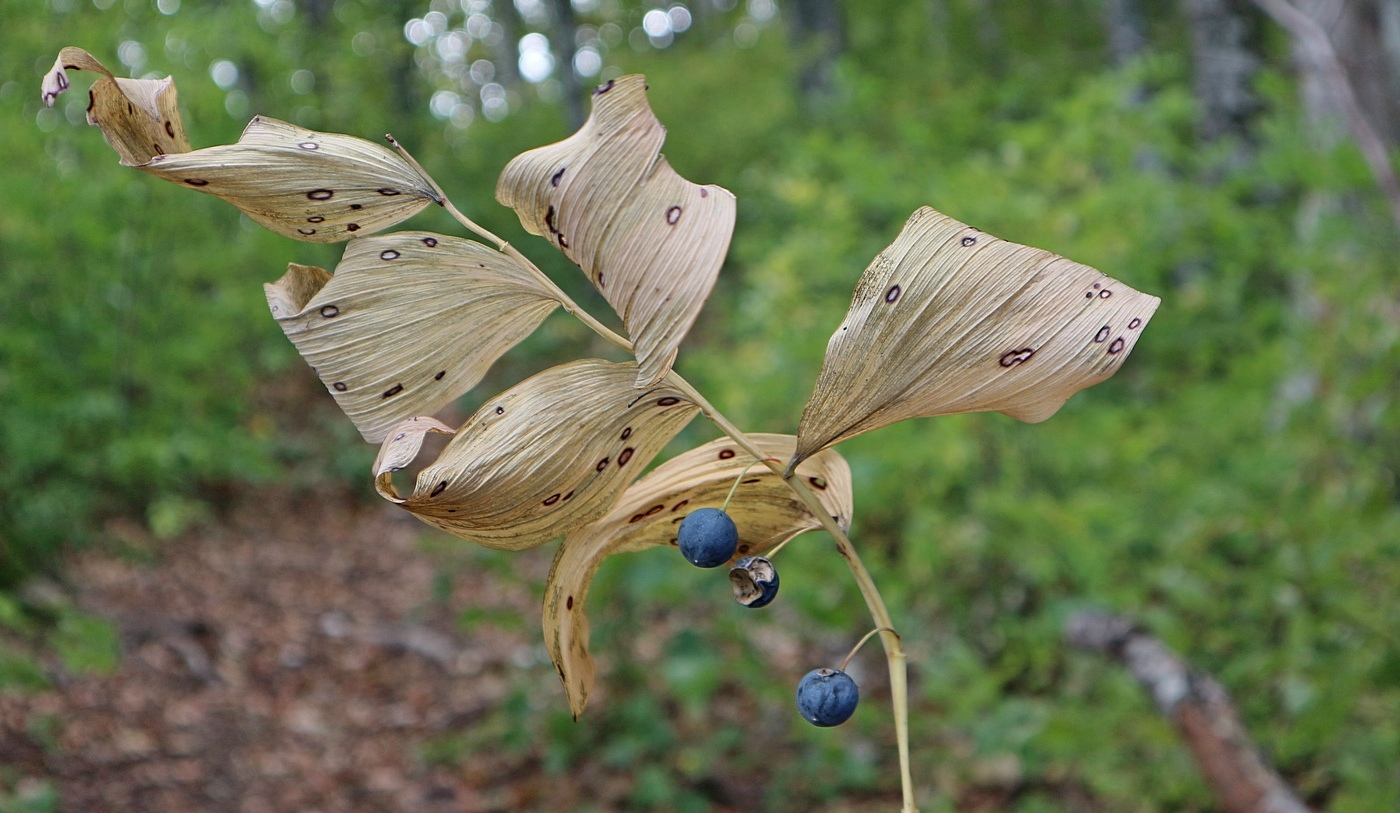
{"type": "Point", "coordinates": [650, 241]}
{"type": "Point", "coordinates": [140, 118]}
{"type": "Point", "coordinates": [307, 185]}
{"type": "Point", "coordinates": [949, 319]}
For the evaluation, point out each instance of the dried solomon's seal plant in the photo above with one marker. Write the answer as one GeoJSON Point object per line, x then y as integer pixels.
{"type": "Point", "coordinates": [946, 320]}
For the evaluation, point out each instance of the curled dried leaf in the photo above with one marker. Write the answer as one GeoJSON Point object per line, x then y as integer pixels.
{"type": "Point", "coordinates": [140, 118]}
{"type": "Point", "coordinates": [302, 184]}
{"type": "Point", "coordinates": [410, 321]}
{"type": "Point", "coordinates": [950, 319]}
{"type": "Point", "coordinates": [649, 240]}
{"type": "Point", "coordinates": [547, 456]}
{"type": "Point", "coordinates": [763, 508]}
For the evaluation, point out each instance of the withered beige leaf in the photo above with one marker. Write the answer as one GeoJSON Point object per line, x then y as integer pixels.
{"type": "Point", "coordinates": [310, 186]}
{"type": "Point", "coordinates": [410, 321]}
{"type": "Point", "coordinates": [549, 455]}
{"type": "Point", "coordinates": [949, 319]}
{"type": "Point", "coordinates": [763, 508]}
{"type": "Point", "coordinates": [649, 240]}
{"type": "Point", "coordinates": [140, 118]}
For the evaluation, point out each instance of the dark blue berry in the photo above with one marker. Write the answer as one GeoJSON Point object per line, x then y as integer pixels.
{"type": "Point", "coordinates": [755, 581]}
{"type": "Point", "coordinates": [707, 537]}
{"type": "Point", "coordinates": [827, 697]}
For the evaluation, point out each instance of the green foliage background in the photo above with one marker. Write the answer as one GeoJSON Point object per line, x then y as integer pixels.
{"type": "Point", "coordinates": [1234, 487]}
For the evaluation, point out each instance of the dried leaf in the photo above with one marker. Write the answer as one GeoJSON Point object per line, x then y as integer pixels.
{"type": "Point", "coordinates": [763, 508]}
{"type": "Point", "coordinates": [649, 240]}
{"type": "Point", "coordinates": [949, 319]}
{"type": "Point", "coordinates": [140, 118]}
{"type": "Point", "coordinates": [547, 456]}
{"type": "Point", "coordinates": [310, 186]}
{"type": "Point", "coordinates": [410, 321]}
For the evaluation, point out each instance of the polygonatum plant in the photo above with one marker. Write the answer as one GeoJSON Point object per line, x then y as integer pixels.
{"type": "Point", "coordinates": [947, 319]}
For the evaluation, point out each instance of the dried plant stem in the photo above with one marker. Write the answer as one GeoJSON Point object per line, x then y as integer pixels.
{"type": "Point", "coordinates": [894, 646]}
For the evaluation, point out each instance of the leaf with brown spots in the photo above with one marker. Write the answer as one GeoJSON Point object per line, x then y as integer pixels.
{"type": "Point", "coordinates": [950, 319]}
{"type": "Point", "coordinates": [549, 455]}
{"type": "Point", "coordinates": [309, 186]}
{"type": "Point", "coordinates": [422, 316]}
{"type": "Point", "coordinates": [140, 118]}
{"type": "Point", "coordinates": [649, 240]}
{"type": "Point", "coordinates": [763, 508]}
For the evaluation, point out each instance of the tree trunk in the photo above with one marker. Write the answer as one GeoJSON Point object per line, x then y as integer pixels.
{"type": "Point", "coordinates": [1127, 30]}
{"type": "Point", "coordinates": [1223, 34]}
{"type": "Point", "coordinates": [818, 37]}
{"type": "Point", "coordinates": [565, 46]}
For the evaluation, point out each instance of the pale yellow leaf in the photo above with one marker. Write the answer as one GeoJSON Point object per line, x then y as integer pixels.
{"type": "Point", "coordinates": [316, 187]}
{"type": "Point", "coordinates": [410, 321]}
{"type": "Point", "coordinates": [140, 118]}
{"type": "Point", "coordinates": [950, 319]}
{"type": "Point", "coordinates": [763, 508]}
{"type": "Point", "coordinates": [547, 456]}
{"type": "Point", "coordinates": [649, 240]}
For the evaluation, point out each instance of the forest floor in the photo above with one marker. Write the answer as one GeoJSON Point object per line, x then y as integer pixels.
{"type": "Point", "coordinates": [290, 658]}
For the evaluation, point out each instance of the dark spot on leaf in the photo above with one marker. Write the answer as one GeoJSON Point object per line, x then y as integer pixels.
{"type": "Point", "coordinates": [636, 518]}
{"type": "Point", "coordinates": [600, 279]}
{"type": "Point", "coordinates": [819, 483]}
{"type": "Point", "coordinates": [673, 215]}
{"type": "Point", "coordinates": [725, 454]}
{"type": "Point", "coordinates": [549, 220]}
{"type": "Point", "coordinates": [655, 509]}
{"type": "Point", "coordinates": [601, 464]}
{"type": "Point", "coordinates": [569, 605]}
{"type": "Point", "coordinates": [309, 145]}
{"type": "Point", "coordinates": [439, 488]}
{"type": "Point", "coordinates": [969, 241]}
{"type": "Point", "coordinates": [329, 311]}
{"type": "Point", "coordinates": [1102, 335]}
{"type": "Point", "coordinates": [1089, 295]}
{"type": "Point", "coordinates": [440, 374]}
{"type": "Point", "coordinates": [156, 148]}
{"type": "Point", "coordinates": [567, 496]}
{"type": "Point", "coordinates": [388, 254]}
{"type": "Point", "coordinates": [196, 182]}
{"type": "Point", "coordinates": [678, 506]}
{"type": "Point", "coordinates": [704, 193]}
{"type": "Point", "coordinates": [355, 207]}
{"type": "Point", "coordinates": [306, 232]}
{"type": "Point", "coordinates": [604, 88]}
{"type": "Point", "coordinates": [625, 456]}
{"type": "Point", "coordinates": [752, 480]}
{"type": "Point", "coordinates": [394, 390]}
{"type": "Point", "coordinates": [1133, 325]}
{"type": "Point", "coordinates": [745, 548]}
{"type": "Point", "coordinates": [340, 386]}
{"type": "Point", "coordinates": [551, 499]}
{"type": "Point", "coordinates": [1105, 294]}
{"type": "Point", "coordinates": [562, 242]}
{"type": "Point", "coordinates": [1013, 357]}
{"type": "Point", "coordinates": [1117, 346]}
{"type": "Point", "coordinates": [321, 194]}
{"type": "Point", "coordinates": [315, 219]}
{"type": "Point", "coordinates": [557, 177]}
{"type": "Point", "coordinates": [669, 400]}
{"type": "Point", "coordinates": [626, 433]}
{"type": "Point", "coordinates": [430, 242]}
{"type": "Point", "coordinates": [892, 295]}
{"type": "Point", "coordinates": [170, 129]}
{"type": "Point", "coordinates": [352, 226]}
{"type": "Point", "coordinates": [388, 192]}
{"type": "Point", "coordinates": [500, 410]}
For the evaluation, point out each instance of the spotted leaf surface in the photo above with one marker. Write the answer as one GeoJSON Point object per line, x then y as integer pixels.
{"type": "Point", "coordinates": [650, 241]}
{"type": "Point", "coordinates": [410, 321]}
{"type": "Point", "coordinates": [950, 319]}
{"type": "Point", "coordinates": [310, 186]}
{"type": "Point", "coordinates": [763, 508]}
{"type": "Point", "coordinates": [140, 118]}
{"type": "Point", "coordinates": [547, 456]}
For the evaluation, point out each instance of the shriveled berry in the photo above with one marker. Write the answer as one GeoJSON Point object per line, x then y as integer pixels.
{"type": "Point", "coordinates": [827, 697]}
{"type": "Point", "coordinates": [707, 537]}
{"type": "Point", "coordinates": [755, 581]}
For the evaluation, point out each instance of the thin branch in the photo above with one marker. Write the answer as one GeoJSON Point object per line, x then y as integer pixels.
{"type": "Point", "coordinates": [1199, 707]}
{"type": "Point", "coordinates": [1318, 46]}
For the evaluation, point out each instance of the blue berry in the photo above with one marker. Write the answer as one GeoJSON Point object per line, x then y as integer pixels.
{"type": "Point", "coordinates": [827, 697]}
{"type": "Point", "coordinates": [707, 537]}
{"type": "Point", "coordinates": [755, 581]}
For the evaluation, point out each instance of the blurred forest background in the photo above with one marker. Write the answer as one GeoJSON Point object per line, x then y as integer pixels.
{"type": "Point", "coordinates": [1233, 488]}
